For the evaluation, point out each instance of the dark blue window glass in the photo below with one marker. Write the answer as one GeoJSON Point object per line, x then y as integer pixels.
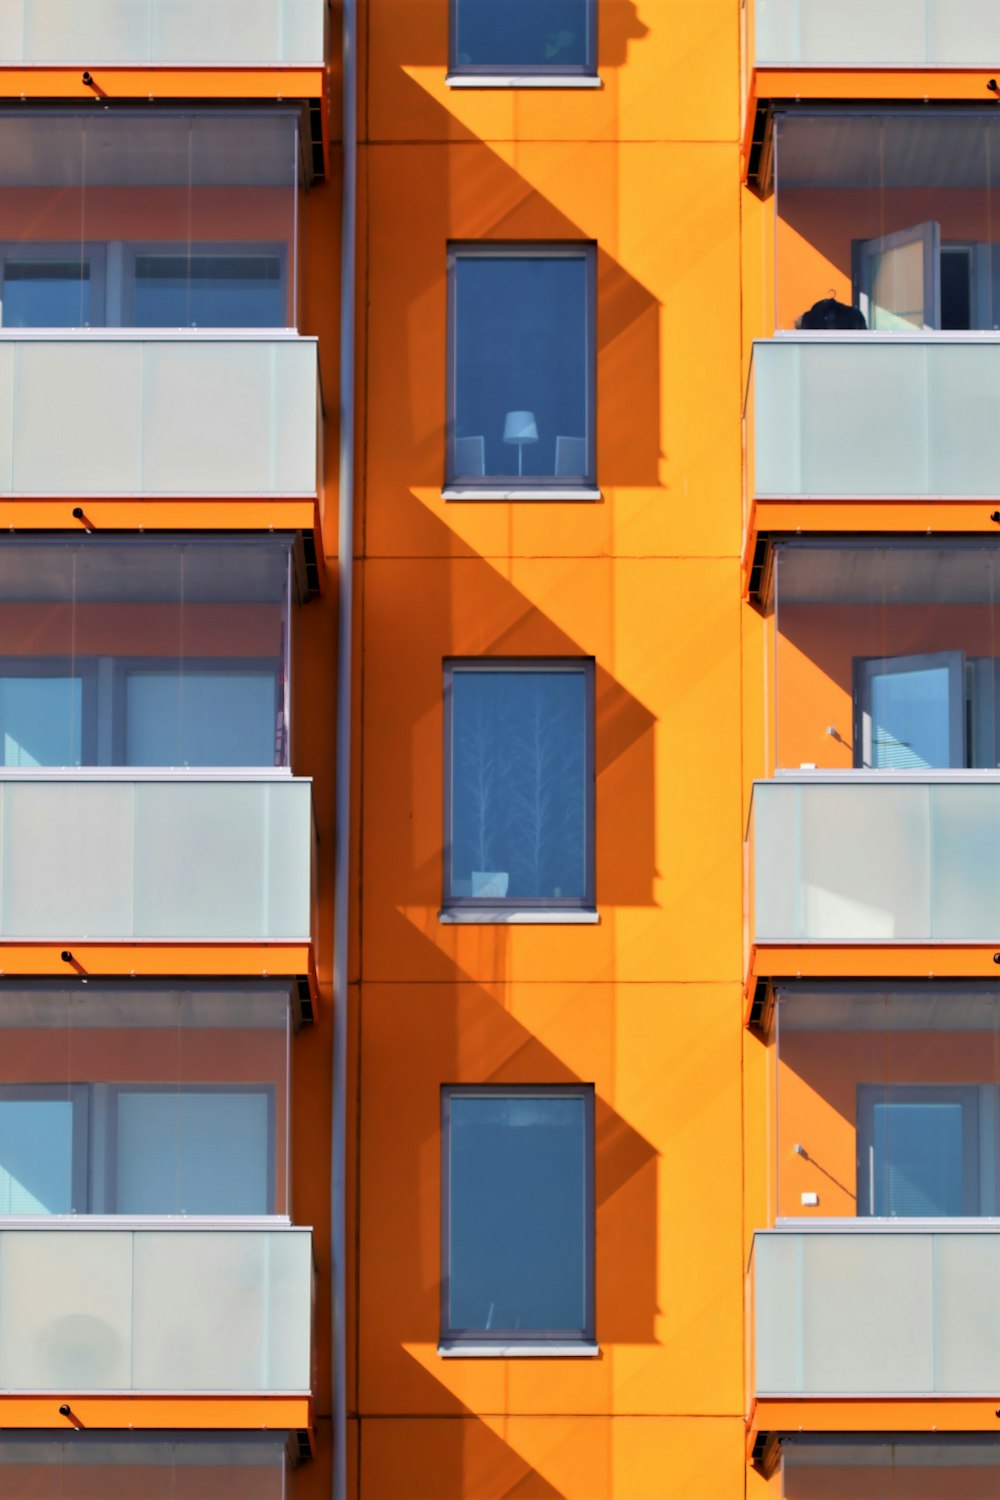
{"type": "Point", "coordinates": [518, 1213]}
{"type": "Point", "coordinates": [522, 376]}
{"type": "Point", "coordinates": [533, 36]}
{"type": "Point", "coordinates": [46, 294]}
{"type": "Point", "coordinates": [208, 291]}
{"type": "Point", "coordinates": [519, 785]}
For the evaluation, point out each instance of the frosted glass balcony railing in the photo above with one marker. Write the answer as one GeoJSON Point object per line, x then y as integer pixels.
{"type": "Point", "coordinates": [876, 416]}
{"type": "Point", "coordinates": [860, 1312]}
{"type": "Point", "coordinates": [877, 857]}
{"type": "Point", "coordinates": [162, 33]}
{"type": "Point", "coordinates": [165, 1310]}
{"type": "Point", "coordinates": [126, 857]}
{"type": "Point", "coordinates": [876, 33]}
{"type": "Point", "coordinates": [158, 415]}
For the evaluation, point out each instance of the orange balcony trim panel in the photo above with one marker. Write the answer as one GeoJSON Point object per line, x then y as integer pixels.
{"type": "Point", "coordinates": [919, 1414]}
{"type": "Point", "coordinates": [161, 960]}
{"type": "Point", "coordinates": [919, 84]}
{"type": "Point", "coordinates": [870, 961]}
{"type": "Point", "coordinates": [873, 515]}
{"type": "Point", "coordinates": [221, 1413]}
{"type": "Point", "coordinates": [162, 83]}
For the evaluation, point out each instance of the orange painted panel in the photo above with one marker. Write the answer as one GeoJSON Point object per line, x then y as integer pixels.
{"type": "Point", "coordinates": [874, 961]}
{"type": "Point", "coordinates": [665, 1064]}
{"type": "Point", "coordinates": [147, 960]}
{"type": "Point", "coordinates": [917, 1415]}
{"type": "Point", "coordinates": [163, 83]}
{"type": "Point", "coordinates": [159, 1413]}
{"type": "Point", "coordinates": [552, 1458]}
{"type": "Point", "coordinates": [667, 341]}
{"type": "Point", "coordinates": [669, 72]}
{"type": "Point", "coordinates": [665, 635]}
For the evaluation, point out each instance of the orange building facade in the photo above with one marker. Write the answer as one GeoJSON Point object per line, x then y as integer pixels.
{"type": "Point", "coordinates": [500, 735]}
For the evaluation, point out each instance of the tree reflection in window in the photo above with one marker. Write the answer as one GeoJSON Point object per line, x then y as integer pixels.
{"type": "Point", "coordinates": [519, 783]}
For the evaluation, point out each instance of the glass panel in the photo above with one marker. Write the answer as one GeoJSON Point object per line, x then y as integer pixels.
{"type": "Point", "coordinates": [144, 1099]}
{"type": "Point", "coordinates": [36, 1152]}
{"type": "Point", "coordinates": [46, 294]}
{"type": "Point", "coordinates": [210, 718]}
{"type": "Point", "coordinates": [225, 1310]}
{"type": "Point", "coordinates": [965, 1467]}
{"type": "Point", "coordinates": [887, 658]}
{"type": "Point", "coordinates": [917, 1154]}
{"type": "Point", "coordinates": [887, 1101]}
{"type": "Point", "coordinates": [42, 720]}
{"type": "Point", "coordinates": [208, 291]}
{"type": "Point", "coordinates": [517, 1199]}
{"type": "Point", "coordinates": [193, 1151]}
{"type": "Point", "coordinates": [532, 36]}
{"type": "Point", "coordinates": [522, 376]}
{"type": "Point", "coordinates": [148, 219]}
{"type": "Point", "coordinates": [177, 1466]}
{"type": "Point", "coordinates": [886, 221]}
{"type": "Point", "coordinates": [145, 653]}
{"type": "Point", "coordinates": [519, 785]}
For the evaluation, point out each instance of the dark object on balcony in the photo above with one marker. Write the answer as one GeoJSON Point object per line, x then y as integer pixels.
{"type": "Point", "coordinates": [828, 313]}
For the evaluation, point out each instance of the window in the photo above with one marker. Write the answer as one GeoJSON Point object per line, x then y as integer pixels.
{"type": "Point", "coordinates": [519, 791]}
{"type": "Point", "coordinates": [168, 1465]}
{"type": "Point", "coordinates": [518, 1214]}
{"type": "Point", "coordinates": [521, 367]}
{"type": "Point", "coordinates": [206, 628]}
{"type": "Point", "coordinates": [144, 1100]}
{"type": "Point", "coordinates": [524, 36]}
{"type": "Point", "coordinates": [918, 1150]}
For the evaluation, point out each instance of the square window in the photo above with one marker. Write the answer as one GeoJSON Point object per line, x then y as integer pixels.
{"type": "Point", "coordinates": [524, 36]}
{"type": "Point", "coordinates": [518, 1214]}
{"type": "Point", "coordinates": [521, 367]}
{"type": "Point", "coordinates": [918, 1150]}
{"type": "Point", "coordinates": [519, 783]}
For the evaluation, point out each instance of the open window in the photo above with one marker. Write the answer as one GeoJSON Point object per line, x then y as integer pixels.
{"type": "Point", "coordinates": [898, 279]}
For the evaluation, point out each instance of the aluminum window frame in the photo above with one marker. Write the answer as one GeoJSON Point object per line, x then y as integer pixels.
{"type": "Point", "coordinates": [585, 666]}
{"type": "Point", "coordinates": [585, 250]}
{"type": "Point", "coordinates": [587, 69]}
{"type": "Point", "coordinates": [555, 1336]}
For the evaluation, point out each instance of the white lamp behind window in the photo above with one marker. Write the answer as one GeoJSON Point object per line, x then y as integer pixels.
{"type": "Point", "coordinates": [520, 427]}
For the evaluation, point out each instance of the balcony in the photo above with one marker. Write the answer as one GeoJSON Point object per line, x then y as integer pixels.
{"type": "Point", "coordinates": [876, 33]}
{"type": "Point", "coordinates": [175, 1311]}
{"type": "Point", "coordinates": [163, 33]}
{"type": "Point", "coordinates": [876, 1312]}
{"type": "Point", "coordinates": [133, 857]}
{"type": "Point", "coordinates": [875, 417]}
{"type": "Point", "coordinates": [158, 416]}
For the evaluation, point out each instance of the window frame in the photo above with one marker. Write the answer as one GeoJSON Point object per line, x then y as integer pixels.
{"type": "Point", "coordinates": [587, 69]}
{"type": "Point", "coordinates": [867, 668]}
{"type": "Point", "coordinates": [963, 1094]}
{"type": "Point", "coordinates": [555, 1336]}
{"type": "Point", "coordinates": [584, 666]}
{"type": "Point", "coordinates": [508, 485]}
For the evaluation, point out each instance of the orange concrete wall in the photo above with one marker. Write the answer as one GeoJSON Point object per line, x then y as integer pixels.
{"type": "Point", "coordinates": [646, 1005]}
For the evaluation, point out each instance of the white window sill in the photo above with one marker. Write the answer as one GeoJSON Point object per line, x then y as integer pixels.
{"type": "Point", "coordinates": [527, 916]}
{"type": "Point", "coordinates": [523, 81]}
{"type": "Point", "coordinates": [518, 1351]}
{"type": "Point", "coordinates": [462, 492]}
